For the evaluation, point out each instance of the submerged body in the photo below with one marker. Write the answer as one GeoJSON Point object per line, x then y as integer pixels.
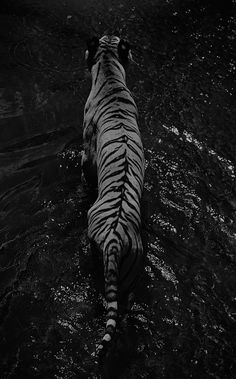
{"type": "Point", "coordinates": [113, 157]}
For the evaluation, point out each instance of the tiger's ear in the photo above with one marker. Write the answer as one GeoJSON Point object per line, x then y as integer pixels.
{"type": "Point", "coordinates": [92, 46]}
{"type": "Point", "coordinates": [124, 52]}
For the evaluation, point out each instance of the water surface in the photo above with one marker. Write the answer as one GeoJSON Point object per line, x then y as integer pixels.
{"type": "Point", "coordinates": [52, 310]}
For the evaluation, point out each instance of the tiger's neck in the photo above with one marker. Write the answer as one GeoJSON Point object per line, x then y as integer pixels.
{"type": "Point", "coordinates": [107, 73]}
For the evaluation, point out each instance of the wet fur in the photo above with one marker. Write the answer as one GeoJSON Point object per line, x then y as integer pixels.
{"type": "Point", "coordinates": [113, 160]}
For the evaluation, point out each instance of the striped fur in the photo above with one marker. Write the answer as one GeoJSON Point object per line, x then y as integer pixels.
{"type": "Point", "coordinates": [113, 158]}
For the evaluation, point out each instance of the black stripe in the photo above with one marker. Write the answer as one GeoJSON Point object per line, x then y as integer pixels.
{"type": "Point", "coordinates": [113, 174]}
{"type": "Point", "coordinates": [113, 91]}
{"type": "Point", "coordinates": [112, 314]}
{"type": "Point", "coordinates": [118, 158]}
{"type": "Point", "coordinates": [111, 296]}
{"type": "Point", "coordinates": [110, 329]}
{"type": "Point", "coordinates": [98, 70]}
{"type": "Point", "coordinates": [100, 89]}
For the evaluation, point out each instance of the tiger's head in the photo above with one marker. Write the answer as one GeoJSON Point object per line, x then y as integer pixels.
{"type": "Point", "coordinates": [107, 47]}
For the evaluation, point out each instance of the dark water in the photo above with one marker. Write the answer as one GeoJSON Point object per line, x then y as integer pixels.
{"type": "Point", "coordinates": [183, 321]}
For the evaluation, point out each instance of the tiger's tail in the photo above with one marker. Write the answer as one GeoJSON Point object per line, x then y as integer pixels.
{"type": "Point", "coordinates": [111, 258]}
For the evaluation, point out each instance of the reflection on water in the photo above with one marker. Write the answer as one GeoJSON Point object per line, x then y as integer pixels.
{"type": "Point", "coordinates": [52, 308]}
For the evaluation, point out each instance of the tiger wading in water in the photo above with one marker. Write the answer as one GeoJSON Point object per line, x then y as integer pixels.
{"type": "Point", "coordinates": [113, 161]}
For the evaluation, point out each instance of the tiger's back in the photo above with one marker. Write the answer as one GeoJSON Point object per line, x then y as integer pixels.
{"type": "Point", "coordinates": [114, 152]}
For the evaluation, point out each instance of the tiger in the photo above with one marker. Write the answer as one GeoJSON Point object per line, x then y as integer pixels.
{"type": "Point", "coordinates": [113, 161]}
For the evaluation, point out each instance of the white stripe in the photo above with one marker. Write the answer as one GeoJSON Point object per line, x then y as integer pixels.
{"type": "Point", "coordinates": [112, 304]}
{"type": "Point", "coordinates": [107, 337]}
{"type": "Point", "coordinates": [111, 322]}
